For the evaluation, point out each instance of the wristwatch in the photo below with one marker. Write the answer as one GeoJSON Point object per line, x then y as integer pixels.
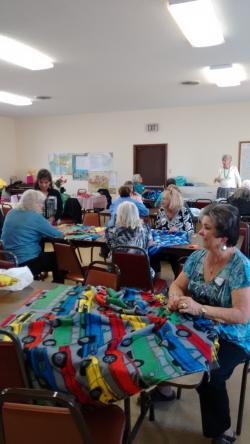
{"type": "Point", "coordinates": [203, 311]}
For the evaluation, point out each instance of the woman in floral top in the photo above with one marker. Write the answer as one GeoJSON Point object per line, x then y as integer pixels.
{"type": "Point", "coordinates": [218, 280]}
{"type": "Point", "coordinates": [172, 216]}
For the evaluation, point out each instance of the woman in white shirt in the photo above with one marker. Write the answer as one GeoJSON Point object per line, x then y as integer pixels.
{"type": "Point", "coordinates": [228, 178]}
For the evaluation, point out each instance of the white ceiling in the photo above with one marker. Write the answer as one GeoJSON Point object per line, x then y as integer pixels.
{"type": "Point", "coordinates": [116, 55]}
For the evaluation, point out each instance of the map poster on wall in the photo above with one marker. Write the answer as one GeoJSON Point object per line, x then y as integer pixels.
{"type": "Point", "coordinates": [80, 166]}
{"type": "Point", "coordinates": [60, 164]}
{"type": "Point", "coordinates": [100, 161]}
{"type": "Point", "coordinates": [112, 182]}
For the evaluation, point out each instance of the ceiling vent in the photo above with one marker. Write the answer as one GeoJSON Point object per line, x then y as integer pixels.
{"type": "Point", "coordinates": [152, 127]}
{"type": "Point", "coordinates": [190, 82]}
{"type": "Point", "coordinates": [43, 97]}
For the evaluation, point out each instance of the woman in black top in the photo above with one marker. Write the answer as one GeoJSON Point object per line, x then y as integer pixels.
{"type": "Point", "coordinates": [53, 204]}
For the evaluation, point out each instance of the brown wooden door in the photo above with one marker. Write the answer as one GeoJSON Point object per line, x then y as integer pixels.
{"type": "Point", "coordinates": [151, 162]}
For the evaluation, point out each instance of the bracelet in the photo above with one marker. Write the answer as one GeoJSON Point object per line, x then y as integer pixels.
{"type": "Point", "coordinates": [203, 311]}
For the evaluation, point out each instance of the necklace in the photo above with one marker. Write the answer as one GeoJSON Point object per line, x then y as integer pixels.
{"type": "Point", "coordinates": [226, 172]}
{"type": "Point", "coordinates": [215, 266]}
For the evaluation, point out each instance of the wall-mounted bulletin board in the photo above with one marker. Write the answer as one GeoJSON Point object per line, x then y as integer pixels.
{"type": "Point", "coordinates": [244, 160]}
{"type": "Point", "coordinates": [95, 169]}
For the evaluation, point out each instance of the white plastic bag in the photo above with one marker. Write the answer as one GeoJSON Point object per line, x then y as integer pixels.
{"type": "Point", "coordinates": [22, 274]}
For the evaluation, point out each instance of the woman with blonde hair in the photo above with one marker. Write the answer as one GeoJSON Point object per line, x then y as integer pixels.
{"type": "Point", "coordinates": [128, 228]}
{"type": "Point", "coordinates": [173, 216]}
{"type": "Point", "coordinates": [23, 229]}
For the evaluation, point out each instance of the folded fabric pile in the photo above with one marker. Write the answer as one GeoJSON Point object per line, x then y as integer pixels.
{"type": "Point", "coordinates": [165, 238]}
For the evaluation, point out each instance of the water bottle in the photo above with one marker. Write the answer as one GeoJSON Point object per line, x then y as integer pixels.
{"type": "Point", "coordinates": [50, 206]}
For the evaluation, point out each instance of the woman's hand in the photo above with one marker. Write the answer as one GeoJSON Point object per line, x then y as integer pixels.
{"type": "Point", "coordinates": [176, 291]}
{"type": "Point", "coordinates": [51, 220]}
{"type": "Point", "coordinates": [187, 305]}
{"type": "Point", "coordinates": [173, 302]}
{"type": "Point", "coordinates": [217, 179]}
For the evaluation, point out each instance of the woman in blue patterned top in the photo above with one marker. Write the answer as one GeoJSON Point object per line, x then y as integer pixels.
{"type": "Point", "coordinates": [215, 284]}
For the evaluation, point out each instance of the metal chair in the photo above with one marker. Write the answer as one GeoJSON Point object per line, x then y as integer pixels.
{"type": "Point", "coordinates": [12, 364]}
{"type": "Point", "coordinates": [246, 371]}
{"type": "Point", "coordinates": [7, 259]}
{"type": "Point", "coordinates": [133, 263]}
{"type": "Point", "coordinates": [186, 382]}
{"type": "Point", "coordinates": [68, 262]}
{"type": "Point", "coordinates": [101, 273]}
{"type": "Point", "coordinates": [62, 420]}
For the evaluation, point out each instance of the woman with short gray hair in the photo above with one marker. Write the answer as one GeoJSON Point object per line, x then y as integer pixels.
{"type": "Point", "coordinates": [31, 200]}
{"type": "Point", "coordinates": [23, 229]}
{"type": "Point", "coordinates": [228, 178]}
{"type": "Point", "coordinates": [128, 229]}
{"type": "Point", "coordinates": [138, 183]}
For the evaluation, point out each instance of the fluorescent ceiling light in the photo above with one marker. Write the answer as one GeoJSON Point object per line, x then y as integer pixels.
{"type": "Point", "coordinates": [14, 99]}
{"type": "Point", "coordinates": [197, 21]}
{"type": "Point", "coordinates": [23, 55]}
{"type": "Point", "coordinates": [226, 75]}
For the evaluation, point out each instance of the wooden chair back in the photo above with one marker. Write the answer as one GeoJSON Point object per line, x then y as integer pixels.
{"type": "Point", "coordinates": [101, 273]}
{"type": "Point", "coordinates": [62, 421]}
{"type": "Point", "coordinates": [6, 208]}
{"type": "Point", "coordinates": [201, 203]}
{"type": "Point", "coordinates": [68, 262]}
{"type": "Point", "coordinates": [91, 218]}
{"type": "Point", "coordinates": [134, 266]}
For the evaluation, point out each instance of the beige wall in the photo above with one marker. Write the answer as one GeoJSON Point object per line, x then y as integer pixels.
{"type": "Point", "coordinates": [196, 136]}
{"type": "Point", "coordinates": [7, 148]}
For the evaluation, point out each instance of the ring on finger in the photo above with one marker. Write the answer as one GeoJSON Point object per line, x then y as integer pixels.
{"type": "Point", "coordinates": [184, 305]}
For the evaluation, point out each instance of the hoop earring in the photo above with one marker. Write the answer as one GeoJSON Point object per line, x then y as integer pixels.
{"type": "Point", "coordinates": [223, 247]}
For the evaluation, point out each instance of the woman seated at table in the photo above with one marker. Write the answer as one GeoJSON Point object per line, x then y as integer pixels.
{"type": "Point", "coordinates": [215, 284]}
{"type": "Point", "coordinates": [138, 184]}
{"type": "Point", "coordinates": [53, 208]}
{"type": "Point", "coordinates": [24, 228]}
{"type": "Point", "coordinates": [128, 229]}
{"type": "Point", "coordinates": [134, 195]}
{"type": "Point", "coordinates": [172, 216]}
{"type": "Point", "coordinates": [125, 196]}
{"type": "Point", "coordinates": [105, 192]}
